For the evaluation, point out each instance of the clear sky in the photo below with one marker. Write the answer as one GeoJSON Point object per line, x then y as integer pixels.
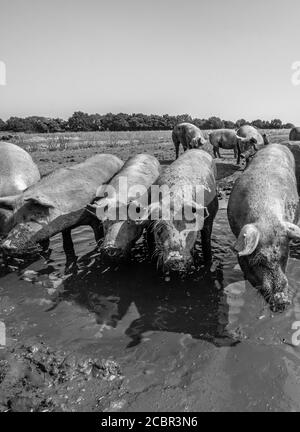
{"type": "Point", "coordinates": [229, 58]}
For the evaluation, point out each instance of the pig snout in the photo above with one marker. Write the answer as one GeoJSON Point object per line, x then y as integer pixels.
{"type": "Point", "coordinates": [10, 248]}
{"type": "Point", "coordinates": [277, 292]}
{"type": "Point", "coordinates": [112, 251]}
{"type": "Point", "coordinates": [176, 262]}
{"type": "Point", "coordinates": [20, 241]}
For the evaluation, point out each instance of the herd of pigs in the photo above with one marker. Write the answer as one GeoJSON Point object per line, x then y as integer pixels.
{"type": "Point", "coordinates": [263, 208]}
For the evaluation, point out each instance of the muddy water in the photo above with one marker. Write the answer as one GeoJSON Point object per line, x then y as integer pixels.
{"type": "Point", "coordinates": [207, 343]}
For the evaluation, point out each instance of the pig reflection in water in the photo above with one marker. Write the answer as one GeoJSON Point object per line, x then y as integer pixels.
{"type": "Point", "coordinates": [138, 173]}
{"type": "Point", "coordinates": [193, 307]}
{"type": "Point", "coordinates": [171, 239]}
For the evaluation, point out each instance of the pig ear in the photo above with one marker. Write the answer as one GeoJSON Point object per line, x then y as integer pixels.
{"type": "Point", "coordinates": [247, 240]}
{"type": "Point", "coordinates": [293, 231]}
{"type": "Point", "coordinates": [40, 200]}
{"type": "Point", "coordinates": [10, 202]}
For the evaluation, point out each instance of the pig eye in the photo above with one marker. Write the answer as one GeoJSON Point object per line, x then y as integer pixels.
{"type": "Point", "coordinates": [194, 210]}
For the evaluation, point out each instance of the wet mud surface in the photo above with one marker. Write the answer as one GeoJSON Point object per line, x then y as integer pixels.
{"type": "Point", "coordinates": [89, 337]}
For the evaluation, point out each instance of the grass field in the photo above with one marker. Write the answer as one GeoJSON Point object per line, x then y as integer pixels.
{"type": "Point", "coordinates": [51, 151]}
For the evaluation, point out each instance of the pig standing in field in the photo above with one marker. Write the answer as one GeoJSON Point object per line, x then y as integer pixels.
{"type": "Point", "coordinates": [173, 231]}
{"type": "Point", "coordinates": [57, 204]}
{"type": "Point", "coordinates": [119, 234]}
{"type": "Point", "coordinates": [17, 172]}
{"type": "Point", "coordinates": [294, 134]}
{"type": "Point", "coordinates": [262, 212]}
{"type": "Point", "coordinates": [228, 139]}
{"type": "Point", "coordinates": [248, 131]}
{"type": "Point", "coordinates": [188, 135]}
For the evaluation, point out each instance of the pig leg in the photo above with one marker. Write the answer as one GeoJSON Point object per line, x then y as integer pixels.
{"type": "Point", "coordinates": [207, 230]}
{"type": "Point", "coordinates": [238, 154]}
{"type": "Point", "coordinates": [235, 152]}
{"type": "Point", "coordinates": [176, 145]}
{"type": "Point", "coordinates": [45, 244]}
{"type": "Point", "coordinates": [215, 152]}
{"type": "Point", "coordinates": [206, 244]}
{"type": "Point", "coordinates": [98, 229]}
{"type": "Point", "coordinates": [150, 240]}
{"type": "Point", "coordinates": [68, 246]}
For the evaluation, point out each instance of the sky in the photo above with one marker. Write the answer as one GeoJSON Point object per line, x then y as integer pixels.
{"type": "Point", "coordinates": [226, 58]}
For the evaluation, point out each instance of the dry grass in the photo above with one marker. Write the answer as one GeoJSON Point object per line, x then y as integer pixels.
{"type": "Point", "coordinates": [83, 140]}
{"type": "Point", "coordinates": [109, 140]}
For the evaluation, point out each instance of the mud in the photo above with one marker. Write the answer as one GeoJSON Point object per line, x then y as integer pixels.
{"type": "Point", "coordinates": [88, 337]}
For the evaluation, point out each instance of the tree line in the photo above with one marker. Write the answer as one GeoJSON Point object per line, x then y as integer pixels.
{"type": "Point", "coordinates": [83, 122]}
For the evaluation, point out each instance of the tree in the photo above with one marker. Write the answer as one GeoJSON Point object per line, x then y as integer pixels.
{"type": "Point", "coordinates": [214, 123]}
{"type": "Point", "coordinates": [260, 124]}
{"type": "Point", "coordinates": [276, 124]}
{"type": "Point", "coordinates": [79, 121]}
{"type": "Point", "coordinates": [241, 122]}
{"type": "Point", "coordinates": [228, 124]}
{"type": "Point", "coordinates": [2, 125]}
{"type": "Point", "coordinates": [17, 124]}
{"type": "Point", "coordinates": [288, 126]}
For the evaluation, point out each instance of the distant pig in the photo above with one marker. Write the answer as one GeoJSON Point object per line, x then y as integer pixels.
{"type": "Point", "coordinates": [262, 212]}
{"type": "Point", "coordinates": [189, 135]}
{"type": "Point", "coordinates": [17, 172]}
{"type": "Point", "coordinates": [57, 204]}
{"type": "Point", "coordinates": [229, 139]}
{"type": "Point", "coordinates": [120, 233]}
{"type": "Point", "coordinates": [178, 219]}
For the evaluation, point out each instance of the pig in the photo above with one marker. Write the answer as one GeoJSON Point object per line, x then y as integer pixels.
{"type": "Point", "coordinates": [266, 139]}
{"type": "Point", "coordinates": [229, 139]}
{"type": "Point", "coordinates": [173, 238]}
{"type": "Point", "coordinates": [17, 172]}
{"type": "Point", "coordinates": [120, 233]}
{"type": "Point", "coordinates": [57, 204]}
{"type": "Point", "coordinates": [263, 211]}
{"type": "Point", "coordinates": [248, 131]}
{"type": "Point", "coordinates": [189, 135]}
{"type": "Point", "coordinates": [294, 134]}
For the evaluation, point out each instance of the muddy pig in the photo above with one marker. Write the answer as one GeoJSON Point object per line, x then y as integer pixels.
{"type": "Point", "coordinates": [183, 210]}
{"type": "Point", "coordinates": [57, 204]}
{"type": "Point", "coordinates": [120, 230]}
{"type": "Point", "coordinates": [17, 172]}
{"type": "Point", "coordinates": [262, 212]}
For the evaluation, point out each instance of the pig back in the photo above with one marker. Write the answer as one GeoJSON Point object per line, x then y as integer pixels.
{"type": "Point", "coordinates": [71, 189]}
{"type": "Point", "coordinates": [17, 169]}
{"type": "Point", "coordinates": [195, 168]}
